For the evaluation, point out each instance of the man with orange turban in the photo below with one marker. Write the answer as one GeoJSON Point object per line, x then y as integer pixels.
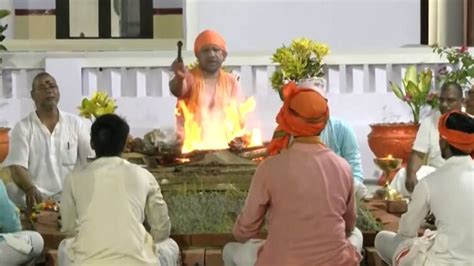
{"type": "Point", "coordinates": [306, 190]}
{"type": "Point", "coordinates": [448, 194]}
{"type": "Point", "coordinates": [206, 87]}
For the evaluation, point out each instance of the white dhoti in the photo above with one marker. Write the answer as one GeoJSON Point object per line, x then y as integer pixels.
{"type": "Point", "coordinates": [397, 250]}
{"type": "Point", "coordinates": [245, 254]}
{"type": "Point", "coordinates": [241, 254]}
{"type": "Point", "coordinates": [167, 252]}
{"type": "Point", "coordinates": [398, 182]}
{"type": "Point", "coordinates": [20, 248]}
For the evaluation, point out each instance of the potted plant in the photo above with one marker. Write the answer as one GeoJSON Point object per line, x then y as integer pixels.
{"type": "Point", "coordinates": [396, 139]}
{"type": "Point", "coordinates": [4, 139]}
{"type": "Point", "coordinates": [416, 91]}
{"type": "Point", "coordinates": [462, 71]}
{"type": "Point", "coordinates": [301, 60]}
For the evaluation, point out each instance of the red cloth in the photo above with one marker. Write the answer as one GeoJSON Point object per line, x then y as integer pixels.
{"type": "Point", "coordinates": [304, 113]}
{"type": "Point", "coordinates": [208, 37]}
{"type": "Point", "coordinates": [460, 140]}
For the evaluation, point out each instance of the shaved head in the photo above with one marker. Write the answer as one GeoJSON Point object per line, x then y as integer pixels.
{"type": "Point", "coordinates": [38, 77]}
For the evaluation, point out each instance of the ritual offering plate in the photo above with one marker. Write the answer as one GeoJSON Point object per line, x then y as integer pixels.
{"type": "Point", "coordinates": [46, 206]}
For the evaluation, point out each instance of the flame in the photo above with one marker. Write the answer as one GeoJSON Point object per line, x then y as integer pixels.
{"type": "Point", "coordinates": [256, 138]}
{"type": "Point", "coordinates": [183, 160]}
{"type": "Point", "coordinates": [215, 129]}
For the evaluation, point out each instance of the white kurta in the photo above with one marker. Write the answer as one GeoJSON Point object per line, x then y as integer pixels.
{"type": "Point", "coordinates": [49, 157]}
{"type": "Point", "coordinates": [449, 194]}
{"type": "Point", "coordinates": [427, 140]}
{"type": "Point", "coordinates": [103, 207]}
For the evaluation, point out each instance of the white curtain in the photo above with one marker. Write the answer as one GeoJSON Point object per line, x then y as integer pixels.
{"type": "Point", "coordinates": [446, 22]}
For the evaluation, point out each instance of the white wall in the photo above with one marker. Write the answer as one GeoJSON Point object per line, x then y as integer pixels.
{"type": "Point", "coordinates": [263, 25]}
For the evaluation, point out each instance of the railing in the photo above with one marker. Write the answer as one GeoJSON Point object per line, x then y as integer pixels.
{"type": "Point", "coordinates": [357, 86]}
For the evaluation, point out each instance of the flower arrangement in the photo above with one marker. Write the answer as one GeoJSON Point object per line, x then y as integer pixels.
{"type": "Point", "coordinates": [463, 63]}
{"type": "Point", "coordinates": [301, 60]}
{"type": "Point", "coordinates": [416, 91]}
{"type": "Point", "coordinates": [99, 104]}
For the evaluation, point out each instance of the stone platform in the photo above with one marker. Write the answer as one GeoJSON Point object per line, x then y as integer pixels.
{"type": "Point", "coordinates": [205, 249]}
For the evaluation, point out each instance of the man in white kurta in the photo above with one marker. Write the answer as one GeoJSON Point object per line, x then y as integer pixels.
{"type": "Point", "coordinates": [45, 146]}
{"type": "Point", "coordinates": [448, 194]}
{"type": "Point", "coordinates": [426, 145]}
{"type": "Point", "coordinates": [105, 203]}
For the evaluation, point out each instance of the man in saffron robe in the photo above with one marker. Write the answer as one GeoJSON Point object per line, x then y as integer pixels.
{"type": "Point", "coordinates": [206, 88]}
{"type": "Point", "coordinates": [305, 190]}
{"type": "Point", "coordinates": [448, 194]}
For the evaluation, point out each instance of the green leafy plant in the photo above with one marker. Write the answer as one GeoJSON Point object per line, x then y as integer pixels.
{"type": "Point", "coordinates": [200, 211]}
{"type": "Point", "coordinates": [366, 221]}
{"type": "Point", "coordinates": [3, 13]}
{"type": "Point", "coordinates": [194, 211]}
{"type": "Point", "coordinates": [416, 91]}
{"type": "Point", "coordinates": [302, 59]}
{"type": "Point", "coordinates": [99, 104]}
{"type": "Point", "coordinates": [461, 60]}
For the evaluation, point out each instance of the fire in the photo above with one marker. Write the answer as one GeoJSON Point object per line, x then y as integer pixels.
{"type": "Point", "coordinates": [215, 129]}
{"type": "Point", "coordinates": [256, 139]}
{"type": "Point", "coordinates": [183, 160]}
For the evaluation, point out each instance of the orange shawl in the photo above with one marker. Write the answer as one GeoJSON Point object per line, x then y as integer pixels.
{"type": "Point", "coordinates": [223, 93]}
{"type": "Point", "coordinates": [304, 113]}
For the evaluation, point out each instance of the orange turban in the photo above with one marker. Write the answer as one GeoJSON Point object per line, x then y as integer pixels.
{"type": "Point", "coordinates": [304, 113]}
{"type": "Point", "coordinates": [462, 141]}
{"type": "Point", "coordinates": [209, 37]}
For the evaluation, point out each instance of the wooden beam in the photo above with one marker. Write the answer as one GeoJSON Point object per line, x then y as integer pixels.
{"type": "Point", "coordinates": [146, 19]}
{"type": "Point", "coordinates": [105, 19]}
{"type": "Point", "coordinates": [424, 21]}
{"type": "Point", "coordinates": [62, 19]}
{"type": "Point", "coordinates": [469, 22]}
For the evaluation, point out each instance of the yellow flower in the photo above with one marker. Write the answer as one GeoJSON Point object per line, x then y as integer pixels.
{"type": "Point", "coordinates": [302, 59]}
{"type": "Point", "coordinates": [99, 104]}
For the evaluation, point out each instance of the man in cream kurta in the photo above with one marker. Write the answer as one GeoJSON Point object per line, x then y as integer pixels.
{"type": "Point", "coordinates": [448, 194]}
{"type": "Point", "coordinates": [105, 203]}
